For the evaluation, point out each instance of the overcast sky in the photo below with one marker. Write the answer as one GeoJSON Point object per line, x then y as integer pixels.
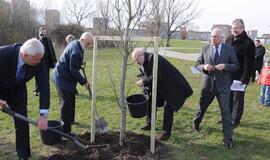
{"type": "Point", "coordinates": [255, 13]}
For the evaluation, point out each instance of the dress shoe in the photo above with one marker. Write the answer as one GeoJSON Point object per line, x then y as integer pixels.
{"type": "Point", "coordinates": [228, 144]}
{"type": "Point", "coordinates": [147, 126]}
{"type": "Point", "coordinates": [196, 127]}
{"type": "Point", "coordinates": [164, 135]}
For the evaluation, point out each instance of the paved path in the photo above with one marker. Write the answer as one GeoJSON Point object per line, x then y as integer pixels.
{"type": "Point", "coordinates": [174, 54]}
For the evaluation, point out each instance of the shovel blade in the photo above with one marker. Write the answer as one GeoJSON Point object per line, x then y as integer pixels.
{"type": "Point", "coordinates": [101, 126]}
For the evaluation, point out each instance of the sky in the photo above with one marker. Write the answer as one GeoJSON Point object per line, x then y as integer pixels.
{"type": "Point", "coordinates": [255, 13]}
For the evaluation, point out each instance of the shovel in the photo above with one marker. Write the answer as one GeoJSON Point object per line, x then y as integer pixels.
{"type": "Point", "coordinates": [101, 125]}
{"type": "Point", "coordinates": [7, 110]}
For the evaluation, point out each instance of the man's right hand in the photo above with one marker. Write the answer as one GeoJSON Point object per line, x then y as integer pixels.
{"type": "Point", "coordinates": [2, 104]}
{"type": "Point", "coordinates": [208, 67]}
{"type": "Point", "coordinates": [87, 85]}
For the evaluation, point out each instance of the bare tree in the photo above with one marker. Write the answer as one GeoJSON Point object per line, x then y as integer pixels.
{"type": "Point", "coordinates": [178, 13]}
{"type": "Point", "coordinates": [78, 10]}
{"type": "Point", "coordinates": [124, 15]}
{"type": "Point", "coordinates": [103, 8]}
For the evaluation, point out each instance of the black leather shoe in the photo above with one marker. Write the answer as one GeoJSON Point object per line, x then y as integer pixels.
{"type": "Point", "coordinates": [228, 144]}
{"type": "Point", "coordinates": [164, 135]}
{"type": "Point", "coordinates": [196, 127]}
{"type": "Point", "coordinates": [147, 126]}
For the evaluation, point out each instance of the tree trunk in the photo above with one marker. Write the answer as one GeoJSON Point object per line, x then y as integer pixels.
{"type": "Point", "coordinates": [122, 96]}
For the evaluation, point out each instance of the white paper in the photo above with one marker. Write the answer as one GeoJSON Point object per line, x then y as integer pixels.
{"type": "Point", "coordinates": [195, 70]}
{"type": "Point", "coordinates": [236, 86]}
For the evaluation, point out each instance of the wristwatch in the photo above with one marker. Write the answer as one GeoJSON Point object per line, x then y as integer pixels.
{"type": "Point", "coordinates": [44, 114]}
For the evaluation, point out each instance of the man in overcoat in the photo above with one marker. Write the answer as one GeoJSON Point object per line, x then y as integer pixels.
{"type": "Point", "coordinates": [172, 88]}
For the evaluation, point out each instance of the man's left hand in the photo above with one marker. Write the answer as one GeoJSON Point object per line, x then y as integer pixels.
{"type": "Point", "coordinates": [43, 123]}
{"type": "Point", "coordinates": [220, 67]}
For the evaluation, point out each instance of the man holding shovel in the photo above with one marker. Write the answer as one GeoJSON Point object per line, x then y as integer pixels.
{"type": "Point", "coordinates": [66, 75]}
{"type": "Point", "coordinates": [18, 65]}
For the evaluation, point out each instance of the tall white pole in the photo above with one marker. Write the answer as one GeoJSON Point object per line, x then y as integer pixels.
{"type": "Point", "coordinates": [93, 119]}
{"type": "Point", "coordinates": [154, 95]}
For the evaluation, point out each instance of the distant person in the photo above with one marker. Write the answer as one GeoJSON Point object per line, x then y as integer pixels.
{"type": "Point", "coordinates": [245, 53]}
{"type": "Point", "coordinates": [259, 55]}
{"type": "Point", "coordinates": [66, 75]}
{"type": "Point", "coordinates": [70, 38]}
{"type": "Point", "coordinates": [217, 61]}
{"type": "Point", "coordinates": [172, 88]}
{"type": "Point", "coordinates": [49, 54]}
{"type": "Point", "coordinates": [19, 64]}
{"type": "Point", "coordinates": [264, 80]}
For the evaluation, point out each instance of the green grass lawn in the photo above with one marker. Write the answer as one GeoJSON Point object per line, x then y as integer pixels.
{"type": "Point", "coordinates": [186, 46]}
{"type": "Point", "coordinates": [251, 138]}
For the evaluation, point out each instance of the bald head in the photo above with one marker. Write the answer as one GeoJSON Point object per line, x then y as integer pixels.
{"type": "Point", "coordinates": [86, 40]}
{"type": "Point", "coordinates": [138, 56]}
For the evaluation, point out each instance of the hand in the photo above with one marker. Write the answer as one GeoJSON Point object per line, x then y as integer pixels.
{"type": "Point", "coordinates": [43, 123]}
{"type": "Point", "coordinates": [2, 104]}
{"type": "Point", "coordinates": [87, 85]}
{"type": "Point", "coordinates": [208, 67]}
{"type": "Point", "coordinates": [220, 67]}
{"type": "Point", "coordinates": [140, 83]}
{"type": "Point", "coordinates": [242, 83]}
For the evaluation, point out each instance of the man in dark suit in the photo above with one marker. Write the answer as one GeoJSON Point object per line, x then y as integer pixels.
{"type": "Point", "coordinates": [259, 55]}
{"type": "Point", "coordinates": [66, 74]}
{"type": "Point", "coordinates": [245, 53]}
{"type": "Point", "coordinates": [49, 57]}
{"type": "Point", "coordinates": [18, 65]}
{"type": "Point", "coordinates": [172, 88]}
{"type": "Point", "coordinates": [217, 61]}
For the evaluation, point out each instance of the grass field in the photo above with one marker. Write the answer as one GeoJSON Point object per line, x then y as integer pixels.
{"type": "Point", "coordinates": [251, 138]}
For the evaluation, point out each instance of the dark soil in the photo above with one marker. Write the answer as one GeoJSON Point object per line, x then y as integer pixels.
{"type": "Point", "coordinates": [107, 147]}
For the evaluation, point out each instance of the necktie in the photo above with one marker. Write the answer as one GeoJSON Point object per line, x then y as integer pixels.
{"type": "Point", "coordinates": [216, 56]}
{"type": "Point", "coordinates": [20, 74]}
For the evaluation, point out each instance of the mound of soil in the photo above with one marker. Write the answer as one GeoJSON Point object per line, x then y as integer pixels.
{"type": "Point", "coordinates": [107, 147]}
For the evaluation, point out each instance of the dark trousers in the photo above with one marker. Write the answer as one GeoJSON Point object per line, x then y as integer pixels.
{"type": "Point", "coordinates": [17, 100]}
{"type": "Point", "coordinates": [66, 106]}
{"type": "Point", "coordinates": [223, 100]}
{"type": "Point", "coordinates": [167, 117]}
{"type": "Point", "coordinates": [237, 99]}
{"type": "Point", "coordinates": [258, 68]}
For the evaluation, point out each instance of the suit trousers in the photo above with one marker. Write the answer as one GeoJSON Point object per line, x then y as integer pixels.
{"type": "Point", "coordinates": [167, 116]}
{"type": "Point", "coordinates": [223, 100]}
{"type": "Point", "coordinates": [66, 104]}
{"type": "Point", "coordinates": [237, 105]}
{"type": "Point", "coordinates": [17, 100]}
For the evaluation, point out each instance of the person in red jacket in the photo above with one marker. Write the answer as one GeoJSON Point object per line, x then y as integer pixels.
{"type": "Point", "coordinates": [264, 80]}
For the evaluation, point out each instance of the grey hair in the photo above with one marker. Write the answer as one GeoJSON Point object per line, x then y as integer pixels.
{"type": "Point", "coordinates": [137, 50]}
{"type": "Point", "coordinates": [239, 22]}
{"type": "Point", "coordinates": [86, 35]}
{"type": "Point", "coordinates": [219, 31]}
{"type": "Point", "coordinates": [32, 47]}
{"type": "Point", "coordinates": [70, 38]}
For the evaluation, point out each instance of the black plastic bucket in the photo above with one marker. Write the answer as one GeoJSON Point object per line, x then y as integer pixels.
{"type": "Point", "coordinates": [49, 137]}
{"type": "Point", "coordinates": [137, 105]}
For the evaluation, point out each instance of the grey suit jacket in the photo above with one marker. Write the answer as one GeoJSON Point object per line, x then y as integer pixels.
{"type": "Point", "coordinates": [222, 78]}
